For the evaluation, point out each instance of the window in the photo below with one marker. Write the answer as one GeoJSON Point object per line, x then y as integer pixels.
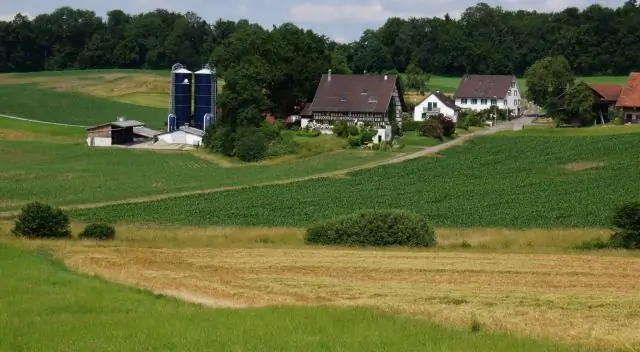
{"type": "Point", "coordinates": [494, 101]}
{"type": "Point", "coordinates": [483, 102]}
{"type": "Point", "coordinates": [515, 93]}
{"type": "Point", "coordinates": [504, 102]}
{"type": "Point", "coordinates": [474, 101]}
{"type": "Point", "coordinates": [513, 84]}
{"type": "Point", "coordinates": [463, 101]}
{"type": "Point", "coordinates": [509, 92]}
{"type": "Point", "coordinates": [373, 100]}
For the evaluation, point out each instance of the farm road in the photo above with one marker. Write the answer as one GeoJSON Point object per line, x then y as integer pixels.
{"type": "Point", "coordinates": [398, 159]}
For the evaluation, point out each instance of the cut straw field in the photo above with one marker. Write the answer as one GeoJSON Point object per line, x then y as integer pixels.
{"type": "Point", "coordinates": [524, 283]}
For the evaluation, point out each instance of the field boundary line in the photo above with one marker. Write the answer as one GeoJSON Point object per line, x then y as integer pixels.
{"type": "Point", "coordinates": [393, 160]}
{"type": "Point", "coordinates": [39, 121]}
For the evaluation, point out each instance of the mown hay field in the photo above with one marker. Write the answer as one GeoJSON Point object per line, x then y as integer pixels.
{"type": "Point", "coordinates": [511, 180]}
{"type": "Point", "coordinates": [47, 307]}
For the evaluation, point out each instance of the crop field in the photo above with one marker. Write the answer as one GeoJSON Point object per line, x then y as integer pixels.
{"type": "Point", "coordinates": [47, 307]}
{"type": "Point", "coordinates": [496, 181]}
{"type": "Point", "coordinates": [63, 174]}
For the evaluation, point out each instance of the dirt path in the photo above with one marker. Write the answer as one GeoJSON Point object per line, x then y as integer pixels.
{"type": "Point", "coordinates": [398, 159]}
{"type": "Point", "coordinates": [38, 121]}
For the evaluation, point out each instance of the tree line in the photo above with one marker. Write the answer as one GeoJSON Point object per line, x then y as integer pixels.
{"type": "Point", "coordinates": [484, 40]}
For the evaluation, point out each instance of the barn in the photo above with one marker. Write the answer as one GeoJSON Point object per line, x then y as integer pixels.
{"type": "Point", "coordinates": [183, 135]}
{"type": "Point", "coordinates": [112, 133]}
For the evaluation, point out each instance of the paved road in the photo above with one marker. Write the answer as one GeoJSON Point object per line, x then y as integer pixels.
{"type": "Point", "coordinates": [38, 121]}
{"type": "Point", "coordinates": [505, 126]}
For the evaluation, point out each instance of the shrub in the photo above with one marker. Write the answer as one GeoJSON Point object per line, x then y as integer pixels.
{"type": "Point", "coordinates": [592, 244]}
{"type": "Point", "coordinates": [282, 145]}
{"type": "Point", "coordinates": [251, 144]}
{"type": "Point", "coordinates": [341, 129]}
{"type": "Point", "coordinates": [626, 224]}
{"type": "Point", "coordinates": [307, 132]}
{"type": "Point", "coordinates": [354, 141]}
{"type": "Point", "coordinates": [374, 228]}
{"type": "Point", "coordinates": [353, 130]}
{"type": "Point", "coordinates": [410, 126]}
{"type": "Point", "coordinates": [98, 232]}
{"type": "Point", "coordinates": [448, 126]}
{"type": "Point", "coordinates": [462, 123]}
{"type": "Point", "coordinates": [366, 136]}
{"type": "Point", "coordinates": [38, 220]}
{"type": "Point", "coordinates": [432, 128]}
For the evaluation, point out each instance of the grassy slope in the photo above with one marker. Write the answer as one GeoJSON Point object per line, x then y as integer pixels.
{"type": "Point", "coordinates": [74, 173]}
{"type": "Point", "coordinates": [509, 180]}
{"type": "Point", "coordinates": [44, 307]}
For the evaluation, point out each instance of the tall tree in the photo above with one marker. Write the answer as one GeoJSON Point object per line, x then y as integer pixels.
{"type": "Point", "coordinates": [547, 79]}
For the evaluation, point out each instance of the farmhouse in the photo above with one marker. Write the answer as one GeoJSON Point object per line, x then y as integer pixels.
{"type": "Point", "coordinates": [605, 96]}
{"type": "Point", "coordinates": [435, 104]}
{"type": "Point", "coordinates": [183, 135]}
{"type": "Point", "coordinates": [480, 92]}
{"type": "Point", "coordinates": [119, 132]}
{"type": "Point", "coordinates": [629, 100]}
{"type": "Point", "coordinates": [369, 99]}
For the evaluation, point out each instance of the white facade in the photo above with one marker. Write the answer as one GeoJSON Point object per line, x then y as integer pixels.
{"type": "Point", "coordinates": [510, 101]}
{"type": "Point", "coordinates": [383, 135]}
{"type": "Point", "coordinates": [99, 141]}
{"type": "Point", "coordinates": [431, 105]}
{"type": "Point", "coordinates": [180, 137]}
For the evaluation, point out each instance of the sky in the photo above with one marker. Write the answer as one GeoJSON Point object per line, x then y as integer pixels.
{"type": "Point", "coordinates": [342, 20]}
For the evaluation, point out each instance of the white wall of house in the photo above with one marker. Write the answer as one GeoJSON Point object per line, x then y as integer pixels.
{"type": "Point", "coordinates": [510, 101]}
{"type": "Point", "coordinates": [383, 135]}
{"type": "Point", "coordinates": [432, 104]}
{"type": "Point", "coordinates": [304, 122]}
{"type": "Point", "coordinates": [180, 137]}
{"type": "Point", "coordinates": [99, 141]}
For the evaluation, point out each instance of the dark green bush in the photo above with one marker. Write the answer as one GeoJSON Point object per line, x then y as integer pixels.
{"type": "Point", "coordinates": [38, 220]}
{"type": "Point", "coordinates": [448, 126]}
{"type": "Point", "coordinates": [251, 144]}
{"type": "Point", "coordinates": [592, 244]}
{"type": "Point", "coordinates": [353, 130]}
{"type": "Point", "coordinates": [98, 232]}
{"type": "Point", "coordinates": [432, 128]}
{"type": "Point", "coordinates": [341, 129]}
{"type": "Point", "coordinates": [354, 141]}
{"type": "Point", "coordinates": [374, 228]}
{"type": "Point", "coordinates": [410, 126]}
{"type": "Point", "coordinates": [626, 224]}
{"type": "Point", "coordinates": [366, 136]}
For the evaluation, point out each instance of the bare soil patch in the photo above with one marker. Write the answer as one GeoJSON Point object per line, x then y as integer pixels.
{"type": "Point", "coordinates": [584, 165]}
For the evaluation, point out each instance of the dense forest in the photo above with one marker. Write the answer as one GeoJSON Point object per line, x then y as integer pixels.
{"type": "Point", "coordinates": [596, 40]}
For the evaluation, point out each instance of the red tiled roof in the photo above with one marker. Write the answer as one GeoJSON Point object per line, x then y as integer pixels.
{"type": "Point", "coordinates": [630, 95]}
{"type": "Point", "coordinates": [484, 86]}
{"type": "Point", "coordinates": [609, 92]}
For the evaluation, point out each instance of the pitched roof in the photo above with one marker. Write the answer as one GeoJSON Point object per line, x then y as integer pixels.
{"type": "Point", "coordinates": [630, 95]}
{"type": "Point", "coordinates": [120, 124]}
{"type": "Point", "coordinates": [484, 86]}
{"type": "Point", "coordinates": [145, 131]}
{"type": "Point", "coordinates": [609, 92]}
{"type": "Point", "coordinates": [444, 99]}
{"type": "Point", "coordinates": [353, 93]}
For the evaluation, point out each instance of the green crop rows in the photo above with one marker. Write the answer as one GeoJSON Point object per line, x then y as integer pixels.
{"type": "Point", "coordinates": [63, 174]}
{"type": "Point", "coordinates": [501, 181]}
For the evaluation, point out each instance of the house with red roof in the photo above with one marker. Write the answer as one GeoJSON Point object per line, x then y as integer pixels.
{"type": "Point", "coordinates": [629, 100]}
{"type": "Point", "coordinates": [605, 97]}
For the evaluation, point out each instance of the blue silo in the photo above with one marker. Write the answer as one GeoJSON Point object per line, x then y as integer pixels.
{"type": "Point", "coordinates": [181, 83]}
{"type": "Point", "coordinates": [204, 96]}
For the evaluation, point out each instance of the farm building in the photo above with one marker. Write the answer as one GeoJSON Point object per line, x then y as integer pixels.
{"type": "Point", "coordinates": [435, 104]}
{"type": "Point", "coordinates": [183, 135]}
{"type": "Point", "coordinates": [629, 100]}
{"type": "Point", "coordinates": [367, 99]}
{"type": "Point", "coordinates": [481, 92]}
{"type": "Point", "coordinates": [118, 132]}
{"type": "Point", "coordinates": [605, 96]}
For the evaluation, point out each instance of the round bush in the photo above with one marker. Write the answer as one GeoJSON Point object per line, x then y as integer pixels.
{"type": "Point", "coordinates": [432, 128]}
{"type": "Point", "coordinates": [98, 232]}
{"type": "Point", "coordinates": [626, 224]}
{"type": "Point", "coordinates": [374, 228]}
{"type": "Point", "coordinates": [38, 220]}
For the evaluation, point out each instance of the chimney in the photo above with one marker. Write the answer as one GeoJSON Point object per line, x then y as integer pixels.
{"type": "Point", "coordinates": [386, 77]}
{"type": "Point", "coordinates": [329, 75]}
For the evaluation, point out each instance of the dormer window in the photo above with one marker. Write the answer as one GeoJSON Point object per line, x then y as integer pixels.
{"type": "Point", "coordinates": [373, 100]}
{"type": "Point", "coordinates": [364, 92]}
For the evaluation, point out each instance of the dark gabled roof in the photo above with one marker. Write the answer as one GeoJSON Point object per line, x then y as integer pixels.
{"type": "Point", "coordinates": [484, 86]}
{"type": "Point", "coordinates": [444, 99]}
{"type": "Point", "coordinates": [630, 95]}
{"type": "Point", "coordinates": [353, 93]}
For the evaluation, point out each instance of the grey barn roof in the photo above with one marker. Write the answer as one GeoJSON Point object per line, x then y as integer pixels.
{"type": "Point", "coordinates": [145, 131]}
{"type": "Point", "coordinates": [353, 93]}
{"type": "Point", "coordinates": [120, 124]}
{"type": "Point", "coordinates": [484, 86]}
{"type": "Point", "coordinates": [192, 130]}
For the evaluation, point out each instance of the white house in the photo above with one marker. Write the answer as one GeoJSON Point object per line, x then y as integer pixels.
{"type": "Point", "coordinates": [434, 104]}
{"type": "Point", "coordinates": [480, 92]}
{"type": "Point", "coordinates": [183, 135]}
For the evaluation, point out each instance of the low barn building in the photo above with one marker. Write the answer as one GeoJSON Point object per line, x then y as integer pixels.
{"type": "Point", "coordinates": [183, 135]}
{"type": "Point", "coordinates": [435, 104]}
{"type": "Point", "coordinates": [369, 99]}
{"type": "Point", "coordinates": [629, 100]}
{"type": "Point", "coordinates": [112, 133]}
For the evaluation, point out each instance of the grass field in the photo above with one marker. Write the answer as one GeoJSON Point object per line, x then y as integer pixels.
{"type": "Point", "coordinates": [46, 307]}
{"type": "Point", "coordinates": [508, 180]}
